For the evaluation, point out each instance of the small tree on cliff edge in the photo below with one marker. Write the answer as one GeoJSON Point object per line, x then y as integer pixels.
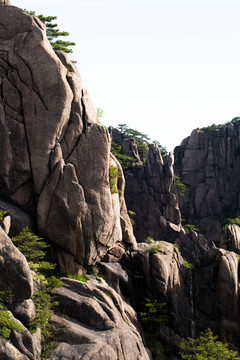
{"type": "Point", "coordinates": [206, 347]}
{"type": "Point", "coordinates": [53, 33]}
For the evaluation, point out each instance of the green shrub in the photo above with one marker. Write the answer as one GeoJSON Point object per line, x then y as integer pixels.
{"type": "Point", "coordinates": [206, 347]}
{"type": "Point", "coordinates": [231, 221]}
{"type": "Point", "coordinates": [162, 149]}
{"type": "Point", "coordinates": [188, 265]}
{"type": "Point", "coordinates": [99, 112]}
{"type": "Point", "coordinates": [113, 179]}
{"type": "Point", "coordinates": [212, 127]}
{"type": "Point", "coordinates": [189, 227]}
{"type": "Point", "coordinates": [45, 305]}
{"type": "Point", "coordinates": [149, 240]}
{"type": "Point", "coordinates": [33, 247]}
{"type": "Point", "coordinates": [82, 278]}
{"type": "Point", "coordinates": [44, 308]}
{"type": "Point", "coordinates": [154, 249]}
{"type": "Point", "coordinates": [7, 324]}
{"type": "Point", "coordinates": [131, 214]}
{"type": "Point", "coordinates": [3, 213]}
{"type": "Point", "coordinates": [30, 245]}
{"type": "Point", "coordinates": [153, 312]}
{"type": "Point", "coordinates": [125, 161]}
{"type": "Point", "coordinates": [181, 187]}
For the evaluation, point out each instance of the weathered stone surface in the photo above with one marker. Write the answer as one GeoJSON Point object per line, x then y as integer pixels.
{"type": "Point", "coordinates": [208, 164]}
{"type": "Point", "coordinates": [97, 324]}
{"type": "Point", "coordinates": [230, 239]}
{"type": "Point", "coordinates": [15, 273]}
{"type": "Point", "coordinates": [9, 352]}
{"type": "Point", "coordinates": [149, 193]}
{"type": "Point", "coordinates": [228, 285]}
{"type": "Point", "coordinates": [55, 154]}
{"type": "Point", "coordinates": [24, 311]}
{"type": "Point", "coordinates": [24, 345]}
{"type": "Point", "coordinates": [130, 148]}
{"type": "Point", "coordinates": [199, 295]}
{"type": "Point", "coordinates": [158, 269]}
{"type": "Point", "coordinates": [19, 218]}
{"type": "Point", "coordinates": [6, 224]}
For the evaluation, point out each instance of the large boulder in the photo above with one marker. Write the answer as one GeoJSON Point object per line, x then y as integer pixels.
{"type": "Point", "coordinates": [55, 153]}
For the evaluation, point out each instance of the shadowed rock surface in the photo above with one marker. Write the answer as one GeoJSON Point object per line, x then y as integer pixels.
{"type": "Point", "coordinates": [149, 193]}
{"type": "Point", "coordinates": [208, 163]}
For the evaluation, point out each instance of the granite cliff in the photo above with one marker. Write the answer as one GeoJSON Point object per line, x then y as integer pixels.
{"type": "Point", "coordinates": [208, 163]}
{"type": "Point", "coordinates": [56, 155]}
{"type": "Point", "coordinates": [59, 178]}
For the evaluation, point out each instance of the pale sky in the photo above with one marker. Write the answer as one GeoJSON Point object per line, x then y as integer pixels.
{"type": "Point", "coordinates": [162, 67]}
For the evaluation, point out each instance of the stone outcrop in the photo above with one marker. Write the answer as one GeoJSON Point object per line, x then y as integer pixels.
{"type": "Point", "coordinates": [55, 154]}
{"type": "Point", "coordinates": [230, 239]}
{"type": "Point", "coordinates": [150, 194]}
{"type": "Point", "coordinates": [198, 296]}
{"type": "Point", "coordinates": [15, 273]}
{"type": "Point", "coordinates": [128, 145]}
{"type": "Point", "coordinates": [208, 163]}
{"type": "Point", "coordinates": [16, 280]}
{"type": "Point", "coordinates": [97, 323]}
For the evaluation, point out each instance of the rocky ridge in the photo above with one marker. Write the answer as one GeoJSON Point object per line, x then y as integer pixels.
{"type": "Point", "coordinates": [54, 177]}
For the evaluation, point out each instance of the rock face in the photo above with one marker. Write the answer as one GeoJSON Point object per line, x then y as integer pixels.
{"type": "Point", "coordinates": [55, 178]}
{"type": "Point", "coordinates": [15, 273]}
{"type": "Point", "coordinates": [208, 163]}
{"type": "Point", "coordinates": [149, 193]}
{"type": "Point", "coordinates": [230, 239]}
{"type": "Point", "coordinates": [16, 278]}
{"type": "Point", "coordinates": [97, 324]}
{"type": "Point", "coordinates": [198, 295]}
{"type": "Point", "coordinates": [55, 154]}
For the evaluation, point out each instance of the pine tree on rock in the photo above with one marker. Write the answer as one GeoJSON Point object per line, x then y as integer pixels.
{"type": "Point", "coordinates": [53, 33]}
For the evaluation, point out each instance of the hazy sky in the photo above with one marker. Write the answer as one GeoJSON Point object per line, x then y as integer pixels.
{"type": "Point", "coordinates": [162, 67]}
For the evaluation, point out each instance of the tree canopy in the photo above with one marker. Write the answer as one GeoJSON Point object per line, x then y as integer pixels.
{"type": "Point", "coordinates": [206, 347]}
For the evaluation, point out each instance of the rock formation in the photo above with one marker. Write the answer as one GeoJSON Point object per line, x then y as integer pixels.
{"type": "Point", "coordinates": [97, 323]}
{"type": "Point", "coordinates": [150, 194]}
{"type": "Point", "coordinates": [55, 154]}
{"type": "Point", "coordinates": [150, 191]}
{"type": "Point", "coordinates": [58, 177]}
{"type": "Point", "coordinates": [208, 163]}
